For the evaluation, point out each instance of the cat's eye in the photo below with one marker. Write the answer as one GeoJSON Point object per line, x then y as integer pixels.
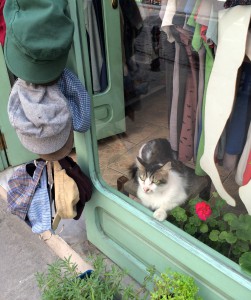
{"type": "Point", "coordinates": [156, 181]}
{"type": "Point", "coordinates": [142, 177]}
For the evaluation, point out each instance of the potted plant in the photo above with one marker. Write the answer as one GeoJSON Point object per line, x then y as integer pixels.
{"type": "Point", "coordinates": [226, 232]}
{"type": "Point", "coordinates": [175, 286]}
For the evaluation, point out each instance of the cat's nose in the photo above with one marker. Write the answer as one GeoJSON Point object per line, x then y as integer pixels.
{"type": "Point", "coordinates": [146, 189]}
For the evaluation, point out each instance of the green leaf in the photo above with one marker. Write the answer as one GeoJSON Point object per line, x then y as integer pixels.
{"type": "Point", "coordinates": [229, 218]}
{"type": "Point", "coordinates": [190, 228]}
{"type": "Point", "coordinates": [212, 222]}
{"type": "Point", "coordinates": [214, 235]}
{"type": "Point", "coordinates": [242, 225]}
{"type": "Point", "coordinates": [194, 220]}
{"type": "Point", "coordinates": [223, 235]}
{"type": "Point", "coordinates": [222, 225]}
{"type": "Point", "coordinates": [245, 262]}
{"type": "Point", "coordinates": [179, 214]}
{"type": "Point", "coordinates": [240, 247]}
{"type": "Point", "coordinates": [203, 228]}
{"type": "Point", "coordinates": [231, 238]}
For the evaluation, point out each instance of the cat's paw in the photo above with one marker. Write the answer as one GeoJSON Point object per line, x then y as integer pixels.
{"type": "Point", "coordinates": [160, 214]}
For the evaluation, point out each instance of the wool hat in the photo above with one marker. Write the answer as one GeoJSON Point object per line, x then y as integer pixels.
{"type": "Point", "coordinates": [40, 116]}
{"type": "Point", "coordinates": [62, 152]}
{"type": "Point", "coordinates": [38, 38]}
{"type": "Point", "coordinates": [66, 195]}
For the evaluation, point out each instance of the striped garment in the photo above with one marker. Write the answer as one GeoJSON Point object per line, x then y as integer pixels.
{"type": "Point", "coordinates": [39, 213]}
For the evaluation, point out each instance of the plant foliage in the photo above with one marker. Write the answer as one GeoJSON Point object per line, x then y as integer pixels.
{"type": "Point", "coordinates": [175, 286]}
{"type": "Point", "coordinates": [63, 282]}
{"type": "Point", "coordinates": [225, 232]}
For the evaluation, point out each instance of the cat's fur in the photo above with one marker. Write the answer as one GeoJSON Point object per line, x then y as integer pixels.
{"type": "Point", "coordinates": [163, 182]}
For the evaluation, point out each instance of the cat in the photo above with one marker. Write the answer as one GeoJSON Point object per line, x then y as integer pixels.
{"type": "Point", "coordinates": [163, 182]}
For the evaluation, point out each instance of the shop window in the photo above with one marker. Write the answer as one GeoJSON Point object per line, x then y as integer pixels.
{"type": "Point", "coordinates": [173, 64]}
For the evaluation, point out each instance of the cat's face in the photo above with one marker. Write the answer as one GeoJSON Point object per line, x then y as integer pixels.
{"type": "Point", "coordinates": [152, 178]}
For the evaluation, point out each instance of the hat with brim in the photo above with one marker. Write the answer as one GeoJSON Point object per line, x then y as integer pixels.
{"type": "Point", "coordinates": [38, 39]}
{"type": "Point", "coordinates": [41, 117]}
{"type": "Point", "coordinates": [35, 71]}
{"type": "Point", "coordinates": [61, 153]}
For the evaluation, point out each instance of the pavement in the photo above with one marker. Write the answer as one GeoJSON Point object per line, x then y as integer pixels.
{"type": "Point", "coordinates": [22, 255]}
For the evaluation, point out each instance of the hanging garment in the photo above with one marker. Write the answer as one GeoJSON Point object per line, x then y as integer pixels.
{"type": "Point", "coordinates": [239, 119]}
{"type": "Point", "coordinates": [39, 213]}
{"type": "Point", "coordinates": [181, 72]}
{"type": "Point", "coordinates": [233, 29]}
{"type": "Point", "coordinates": [232, 3]}
{"type": "Point", "coordinates": [22, 187]}
{"type": "Point", "coordinates": [243, 159]}
{"type": "Point", "coordinates": [95, 46]}
{"type": "Point", "coordinates": [2, 23]}
{"type": "Point", "coordinates": [78, 99]}
{"type": "Point", "coordinates": [186, 140]}
{"type": "Point", "coordinates": [247, 172]}
{"type": "Point", "coordinates": [167, 19]}
{"type": "Point", "coordinates": [212, 30]}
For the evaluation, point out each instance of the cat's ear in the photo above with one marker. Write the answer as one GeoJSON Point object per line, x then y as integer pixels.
{"type": "Point", "coordinates": [168, 166]}
{"type": "Point", "coordinates": [139, 163]}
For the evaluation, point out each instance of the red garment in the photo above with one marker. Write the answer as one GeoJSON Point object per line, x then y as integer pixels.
{"type": "Point", "coordinates": [2, 23]}
{"type": "Point", "coordinates": [247, 172]}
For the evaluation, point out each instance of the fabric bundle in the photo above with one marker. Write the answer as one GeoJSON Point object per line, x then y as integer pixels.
{"type": "Point", "coordinates": [30, 195]}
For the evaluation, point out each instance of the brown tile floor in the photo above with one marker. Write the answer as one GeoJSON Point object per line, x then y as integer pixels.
{"type": "Point", "coordinates": [149, 122]}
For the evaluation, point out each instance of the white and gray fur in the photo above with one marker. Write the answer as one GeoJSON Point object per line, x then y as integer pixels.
{"type": "Point", "coordinates": [163, 182]}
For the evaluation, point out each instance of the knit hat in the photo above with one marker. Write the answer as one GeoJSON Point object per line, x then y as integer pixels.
{"type": "Point", "coordinates": [38, 38]}
{"type": "Point", "coordinates": [41, 117]}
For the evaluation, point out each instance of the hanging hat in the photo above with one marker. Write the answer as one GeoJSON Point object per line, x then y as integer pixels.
{"type": "Point", "coordinates": [41, 118]}
{"type": "Point", "coordinates": [78, 99]}
{"type": "Point", "coordinates": [22, 187]}
{"type": "Point", "coordinates": [38, 38]}
{"type": "Point", "coordinates": [83, 182]}
{"type": "Point", "coordinates": [66, 195]}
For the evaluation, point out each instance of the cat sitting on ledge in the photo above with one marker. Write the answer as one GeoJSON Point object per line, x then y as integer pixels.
{"type": "Point", "coordinates": [163, 181]}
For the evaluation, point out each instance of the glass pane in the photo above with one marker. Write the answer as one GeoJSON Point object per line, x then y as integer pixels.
{"type": "Point", "coordinates": [187, 104]}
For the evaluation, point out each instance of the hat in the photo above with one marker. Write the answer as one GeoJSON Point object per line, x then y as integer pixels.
{"type": "Point", "coordinates": [22, 187]}
{"type": "Point", "coordinates": [61, 153]}
{"type": "Point", "coordinates": [38, 38]}
{"type": "Point", "coordinates": [40, 116]}
{"type": "Point", "coordinates": [66, 195]}
{"type": "Point", "coordinates": [78, 99]}
{"type": "Point", "coordinates": [83, 182]}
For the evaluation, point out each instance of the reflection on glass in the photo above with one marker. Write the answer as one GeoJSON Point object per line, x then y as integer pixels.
{"type": "Point", "coordinates": [169, 56]}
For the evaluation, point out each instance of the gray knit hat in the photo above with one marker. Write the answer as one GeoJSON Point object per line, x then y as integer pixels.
{"type": "Point", "coordinates": [40, 116]}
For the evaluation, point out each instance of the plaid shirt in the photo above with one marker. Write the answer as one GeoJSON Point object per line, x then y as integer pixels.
{"type": "Point", "coordinates": [22, 188]}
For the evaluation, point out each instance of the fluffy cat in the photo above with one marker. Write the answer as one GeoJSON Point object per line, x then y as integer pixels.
{"type": "Point", "coordinates": [163, 182]}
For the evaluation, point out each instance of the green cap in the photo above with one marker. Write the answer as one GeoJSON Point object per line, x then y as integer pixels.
{"type": "Point", "coordinates": [38, 38]}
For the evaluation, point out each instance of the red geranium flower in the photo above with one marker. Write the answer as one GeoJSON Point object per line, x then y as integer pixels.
{"type": "Point", "coordinates": [203, 210]}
